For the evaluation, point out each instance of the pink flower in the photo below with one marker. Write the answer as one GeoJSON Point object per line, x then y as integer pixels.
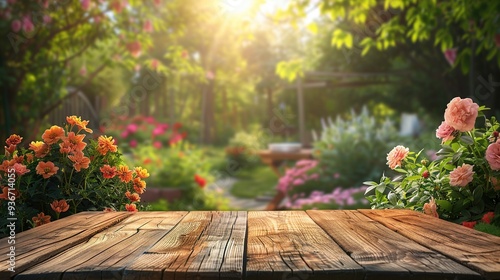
{"type": "Point", "coordinates": [124, 134]}
{"type": "Point", "coordinates": [133, 143]}
{"type": "Point", "coordinates": [461, 176]}
{"type": "Point", "coordinates": [431, 208]}
{"type": "Point", "coordinates": [157, 144]}
{"type": "Point", "coordinates": [396, 156]}
{"type": "Point", "coordinates": [28, 26]}
{"type": "Point", "coordinates": [158, 131]}
{"type": "Point", "coordinates": [451, 55]}
{"type": "Point", "coordinates": [148, 26]}
{"type": "Point", "coordinates": [85, 4]}
{"type": "Point", "coordinates": [132, 128]}
{"type": "Point", "coordinates": [461, 114]}
{"type": "Point", "coordinates": [16, 25]}
{"type": "Point", "coordinates": [493, 155]}
{"type": "Point", "coordinates": [157, 2]}
{"type": "Point", "coordinates": [47, 19]}
{"type": "Point", "coordinates": [445, 132]}
{"type": "Point", "coordinates": [134, 48]}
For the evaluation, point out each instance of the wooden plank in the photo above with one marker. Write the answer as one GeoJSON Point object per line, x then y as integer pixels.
{"type": "Point", "coordinates": [107, 253]}
{"type": "Point", "coordinates": [41, 243]}
{"type": "Point", "coordinates": [382, 252]}
{"type": "Point", "coordinates": [475, 249]}
{"type": "Point", "coordinates": [285, 244]}
{"type": "Point", "coordinates": [204, 245]}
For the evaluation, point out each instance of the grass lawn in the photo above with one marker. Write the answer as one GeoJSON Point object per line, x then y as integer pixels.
{"type": "Point", "coordinates": [255, 182]}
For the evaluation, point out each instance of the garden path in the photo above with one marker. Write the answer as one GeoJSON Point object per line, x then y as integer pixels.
{"type": "Point", "coordinates": [238, 203]}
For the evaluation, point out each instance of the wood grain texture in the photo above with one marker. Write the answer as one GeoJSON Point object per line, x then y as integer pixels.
{"type": "Point", "coordinates": [384, 253]}
{"type": "Point", "coordinates": [204, 245]}
{"type": "Point", "coordinates": [41, 243]}
{"type": "Point", "coordinates": [289, 245]}
{"type": "Point", "coordinates": [106, 254]}
{"type": "Point", "coordinates": [479, 251]}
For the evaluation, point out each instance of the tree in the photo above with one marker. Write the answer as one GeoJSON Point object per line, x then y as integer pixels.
{"type": "Point", "coordinates": [45, 37]}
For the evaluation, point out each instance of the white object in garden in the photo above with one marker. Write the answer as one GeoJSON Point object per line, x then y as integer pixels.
{"type": "Point", "coordinates": [410, 125]}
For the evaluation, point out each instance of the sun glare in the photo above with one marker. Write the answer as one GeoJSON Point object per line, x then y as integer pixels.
{"type": "Point", "coordinates": [237, 7]}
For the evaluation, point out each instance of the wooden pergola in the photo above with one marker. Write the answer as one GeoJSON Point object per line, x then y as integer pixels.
{"type": "Point", "coordinates": [319, 79]}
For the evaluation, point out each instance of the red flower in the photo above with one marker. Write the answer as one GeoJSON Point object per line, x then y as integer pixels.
{"type": "Point", "coordinates": [131, 207]}
{"type": "Point", "coordinates": [469, 224]}
{"type": "Point", "coordinates": [200, 180]}
{"type": "Point", "coordinates": [14, 139]}
{"type": "Point", "coordinates": [488, 217]}
{"type": "Point", "coordinates": [134, 48]}
{"type": "Point", "coordinates": [425, 174]}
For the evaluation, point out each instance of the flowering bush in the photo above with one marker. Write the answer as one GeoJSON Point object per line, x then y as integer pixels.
{"type": "Point", "coordinates": [63, 174]}
{"type": "Point", "coordinates": [462, 184]}
{"type": "Point", "coordinates": [130, 132]}
{"type": "Point", "coordinates": [307, 186]}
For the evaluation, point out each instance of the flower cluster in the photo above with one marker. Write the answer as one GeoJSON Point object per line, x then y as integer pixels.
{"type": "Point", "coordinates": [147, 131]}
{"type": "Point", "coordinates": [63, 173]}
{"type": "Point", "coordinates": [461, 184]}
{"type": "Point", "coordinates": [306, 186]}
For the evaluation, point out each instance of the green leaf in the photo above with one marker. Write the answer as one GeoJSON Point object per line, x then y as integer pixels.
{"type": "Point", "coordinates": [381, 188]}
{"type": "Point", "coordinates": [444, 204]}
{"type": "Point", "coordinates": [477, 194]}
{"type": "Point", "coordinates": [392, 198]}
{"type": "Point", "coordinates": [466, 139]}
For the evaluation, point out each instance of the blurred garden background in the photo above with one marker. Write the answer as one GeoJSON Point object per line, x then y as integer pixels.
{"type": "Point", "coordinates": [192, 90]}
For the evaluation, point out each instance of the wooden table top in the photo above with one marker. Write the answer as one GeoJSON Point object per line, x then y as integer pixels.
{"type": "Point", "coordinates": [335, 244]}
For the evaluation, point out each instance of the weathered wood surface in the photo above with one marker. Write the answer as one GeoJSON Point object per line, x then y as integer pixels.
{"type": "Point", "coordinates": [384, 253]}
{"type": "Point", "coordinates": [283, 244]}
{"type": "Point", "coordinates": [470, 247]}
{"type": "Point", "coordinates": [362, 244]}
{"type": "Point", "coordinates": [37, 245]}
{"type": "Point", "coordinates": [206, 245]}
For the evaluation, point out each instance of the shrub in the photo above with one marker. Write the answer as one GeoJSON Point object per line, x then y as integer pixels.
{"type": "Point", "coordinates": [461, 185]}
{"type": "Point", "coordinates": [354, 148]}
{"type": "Point", "coordinates": [64, 174]}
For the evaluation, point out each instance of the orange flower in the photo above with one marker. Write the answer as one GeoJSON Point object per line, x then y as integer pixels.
{"type": "Point", "coordinates": [105, 144]}
{"type": "Point", "coordinates": [79, 161]}
{"type": "Point", "coordinates": [108, 209]}
{"type": "Point", "coordinates": [125, 174]}
{"type": "Point", "coordinates": [53, 134]}
{"type": "Point", "coordinates": [46, 169]}
{"type": "Point", "coordinates": [29, 157]}
{"type": "Point", "coordinates": [41, 149]}
{"type": "Point", "coordinates": [108, 172]}
{"type": "Point", "coordinates": [14, 139]}
{"type": "Point", "coordinates": [10, 149]}
{"type": "Point", "coordinates": [74, 142]}
{"type": "Point", "coordinates": [141, 172]}
{"type": "Point", "coordinates": [41, 219]}
{"type": "Point", "coordinates": [5, 193]}
{"type": "Point", "coordinates": [131, 207]}
{"type": "Point", "coordinates": [17, 159]}
{"type": "Point", "coordinates": [5, 165]}
{"type": "Point", "coordinates": [59, 206]}
{"type": "Point", "coordinates": [134, 197]}
{"type": "Point", "coordinates": [139, 185]}
{"type": "Point", "coordinates": [20, 169]}
{"type": "Point", "coordinates": [74, 120]}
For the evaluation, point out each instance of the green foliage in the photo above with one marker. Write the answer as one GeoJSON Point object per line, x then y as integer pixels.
{"type": "Point", "coordinates": [243, 147]}
{"type": "Point", "coordinates": [448, 24]}
{"type": "Point", "coordinates": [174, 166]}
{"type": "Point", "coordinates": [354, 148]}
{"type": "Point", "coordinates": [255, 182]}
{"type": "Point", "coordinates": [488, 228]}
